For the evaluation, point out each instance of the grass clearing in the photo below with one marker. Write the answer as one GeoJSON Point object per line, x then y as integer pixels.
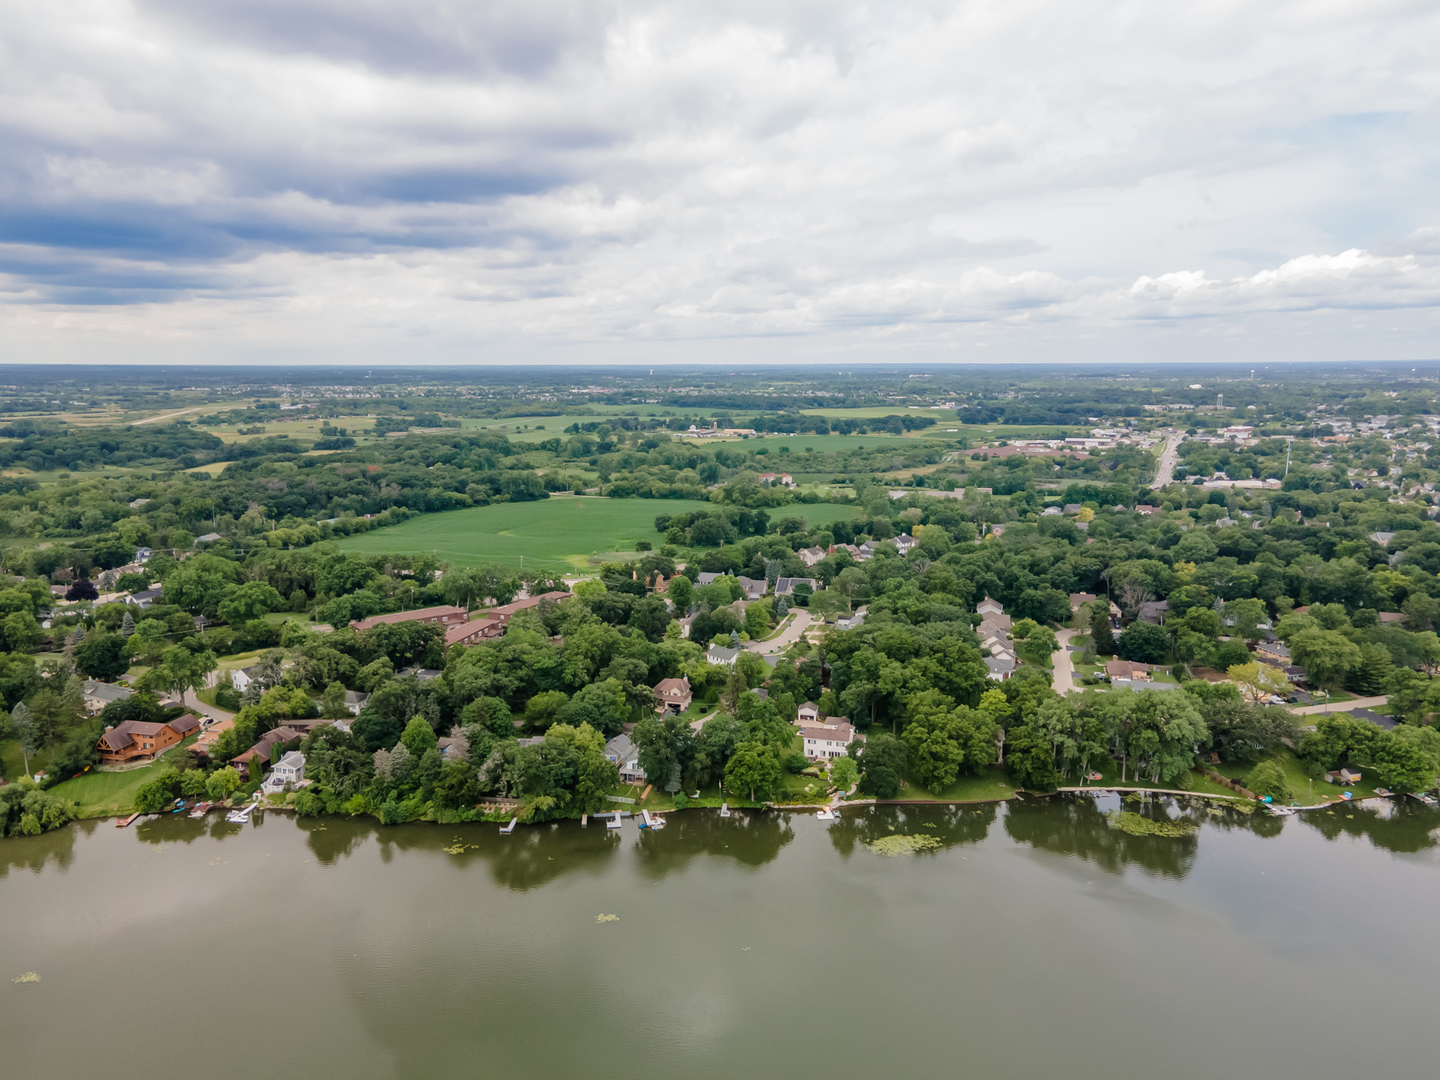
{"type": "Point", "coordinates": [559, 534]}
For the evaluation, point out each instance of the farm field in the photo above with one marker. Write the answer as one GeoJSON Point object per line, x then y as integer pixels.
{"type": "Point", "coordinates": [562, 533]}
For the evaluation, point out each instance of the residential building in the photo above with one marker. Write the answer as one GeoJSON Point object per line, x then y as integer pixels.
{"type": "Point", "coordinates": [1274, 652]}
{"type": "Point", "coordinates": [673, 695]}
{"type": "Point", "coordinates": [621, 752]}
{"type": "Point", "coordinates": [99, 694]}
{"type": "Point", "coordinates": [1153, 611]}
{"type": "Point", "coordinates": [261, 749]}
{"type": "Point", "coordinates": [808, 713]}
{"type": "Point", "coordinates": [1080, 599]}
{"type": "Point", "coordinates": [989, 606]}
{"type": "Point", "coordinates": [354, 702]}
{"type": "Point", "coordinates": [754, 590]}
{"type": "Point", "coordinates": [906, 544]}
{"type": "Point", "coordinates": [474, 631]}
{"type": "Point", "coordinates": [505, 612]}
{"type": "Point", "coordinates": [146, 597]}
{"type": "Point", "coordinates": [708, 578]}
{"type": "Point", "coordinates": [831, 741]}
{"type": "Point", "coordinates": [290, 769]}
{"type": "Point", "coordinates": [721, 656]}
{"type": "Point", "coordinates": [210, 736]}
{"type": "Point", "coordinates": [208, 538]}
{"type": "Point", "coordinates": [785, 586]}
{"type": "Point", "coordinates": [421, 674]}
{"type": "Point", "coordinates": [811, 555]}
{"type": "Point", "coordinates": [140, 740]}
{"type": "Point", "coordinates": [1000, 667]}
{"type": "Point", "coordinates": [445, 615]}
{"type": "Point", "coordinates": [1128, 670]}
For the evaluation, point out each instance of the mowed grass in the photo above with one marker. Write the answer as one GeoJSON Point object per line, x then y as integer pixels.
{"type": "Point", "coordinates": [560, 533]}
{"type": "Point", "coordinates": [103, 794]}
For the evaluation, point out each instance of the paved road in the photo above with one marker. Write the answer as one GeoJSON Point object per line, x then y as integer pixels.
{"type": "Point", "coordinates": [1063, 679]}
{"type": "Point", "coordinates": [791, 634]}
{"type": "Point", "coordinates": [1341, 706]}
{"type": "Point", "coordinates": [165, 416]}
{"type": "Point", "coordinates": [1165, 470]}
{"type": "Point", "coordinates": [199, 706]}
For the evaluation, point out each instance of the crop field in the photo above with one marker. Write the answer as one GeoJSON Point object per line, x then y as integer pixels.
{"type": "Point", "coordinates": [559, 534]}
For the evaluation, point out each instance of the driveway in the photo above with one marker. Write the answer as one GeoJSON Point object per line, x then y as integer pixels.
{"type": "Point", "coordinates": [1341, 706]}
{"type": "Point", "coordinates": [792, 633]}
{"type": "Point", "coordinates": [193, 702]}
{"type": "Point", "coordinates": [1063, 679]}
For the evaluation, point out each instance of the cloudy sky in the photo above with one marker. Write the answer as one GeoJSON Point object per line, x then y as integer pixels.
{"type": "Point", "coordinates": [563, 181]}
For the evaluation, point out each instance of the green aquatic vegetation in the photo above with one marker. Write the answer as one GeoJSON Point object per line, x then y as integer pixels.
{"type": "Point", "coordinates": [1137, 825]}
{"type": "Point", "coordinates": [900, 844]}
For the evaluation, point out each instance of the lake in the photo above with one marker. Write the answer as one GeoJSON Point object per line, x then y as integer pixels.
{"type": "Point", "coordinates": [1035, 940]}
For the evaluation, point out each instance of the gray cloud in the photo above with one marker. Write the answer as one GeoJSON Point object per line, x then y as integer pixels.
{"type": "Point", "coordinates": [561, 180]}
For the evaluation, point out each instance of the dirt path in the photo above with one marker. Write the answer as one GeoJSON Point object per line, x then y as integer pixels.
{"type": "Point", "coordinates": [167, 416]}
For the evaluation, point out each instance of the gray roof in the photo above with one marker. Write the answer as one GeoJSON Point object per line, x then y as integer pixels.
{"type": "Point", "coordinates": [718, 654]}
{"type": "Point", "coordinates": [708, 578]}
{"type": "Point", "coordinates": [106, 691]}
{"type": "Point", "coordinates": [999, 665]}
{"type": "Point", "coordinates": [785, 586]}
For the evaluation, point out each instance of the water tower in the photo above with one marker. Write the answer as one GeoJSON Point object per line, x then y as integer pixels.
{"type": "Point", "coordinates": [1219, 401]}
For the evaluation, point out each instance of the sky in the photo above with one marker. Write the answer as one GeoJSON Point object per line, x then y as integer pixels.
{"type": "Point", "coordinates": [797, 181]}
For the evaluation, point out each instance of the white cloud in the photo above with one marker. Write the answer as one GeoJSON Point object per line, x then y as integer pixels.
{"type": "Point", "coordinates": [540, 182]}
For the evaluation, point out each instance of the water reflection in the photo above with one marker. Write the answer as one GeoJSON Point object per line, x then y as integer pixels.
{"type": "Point", "coordinates": [1401, 826]}
{"type": "Point", "coordinates": [749, 838]}
{"type": "Point", "coordinates": [1078, 826]}
{"type": "Point", "coordinates": [951, 825]}
{"type": "Point", "coordinates": [33, 852]}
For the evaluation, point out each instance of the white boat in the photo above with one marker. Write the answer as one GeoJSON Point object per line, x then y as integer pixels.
{"type": "Point", "coordinates": [651, 821]}
{"type": "Point", "coordinates": [826, 814]}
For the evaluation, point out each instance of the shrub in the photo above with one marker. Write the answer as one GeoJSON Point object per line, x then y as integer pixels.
{"type": "Point", "coordinates": [796, 763]}
{"type": "Point", "coordinates": [1268, 778]}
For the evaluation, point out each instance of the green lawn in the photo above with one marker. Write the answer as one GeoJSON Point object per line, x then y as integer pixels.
{"type": "Point", "coordinates": [558, 534]}
{"type": "Point", "coordinates": [1306, 792]}
{"type": "Point", "coordinates": [990, 785]}
{"type": "Point", "coordinates": [105, 794]}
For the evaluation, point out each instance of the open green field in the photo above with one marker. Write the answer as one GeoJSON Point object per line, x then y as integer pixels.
{"type": "Point", "coordinates": [560, 533]}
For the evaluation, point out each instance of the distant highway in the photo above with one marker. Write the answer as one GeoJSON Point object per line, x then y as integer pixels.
{"type": "Point", "coordinates": [1165, 471]}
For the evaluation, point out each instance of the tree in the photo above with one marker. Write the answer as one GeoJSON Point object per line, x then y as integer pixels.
{"type": "Point", "coordinates": [844, 772]}
{"type": "Point", "coordinates": [179, 671]}
{"type": "Point", "coordinates": [1268, 778]}
{"type": "Point", "coordinates": [418, 736]}
{"type": "Point", "coordinates": [680, 593]}
{"type": "Point", "coordinates": [222, 783]}
{"type": "Point", "coordinates": [102, 655]}
{"type": "Point", "coordinates": [22, 730]}
{"type": "Point", "coordinates": [1100, 629]}
{"type": "Point", "coordinates": [1144, 643]}
{"type": "Point", "coordinates": [882, 759]}
{"type": "Point", "coordinates": [1258, 680]}
{"type": "Point", "coordinates": [755, 768]}
{"type": "Point", "coordinates": [1326, 655]}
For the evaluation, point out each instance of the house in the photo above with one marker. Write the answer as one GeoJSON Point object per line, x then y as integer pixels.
{"type": "Point", "coordinates": [449, 747]}
{"type": "Point", "coordinates": [721, 656]}
{"type": "Point", "coordinates": [672, 694]}
{"type": "Point", "coordinates": [421, 674]}
{"type": "Point", "coordinates": [506, 612]}
{"type": "Point", "coordinates": [135, 504]}
{"type": "Point", "coordinates": [784, 479]}
{"type": "Point", "coordinates": [1146, 511]}
{"type": "Point", "coordinates": [1153, 611]}
{"type": "Point", "coordinates": [1344, 776]}
{"type": "Point", "coordinates": [1080, 599]}
{"type": "Point", "coordinates": [785, 586]}
{"type": "Point", "coordinates": [754, 590]}
{"type": "Point", "coordinates": [1051, 511]}
{"type": "Point", "coordinates": [707, 578]}
{"type": "Point", "coordinates": [621, 753]}
{"type": "Point", "coordinates": [261, 750]}
{"type": "Point", "coordinates": [210, 736]}
{"type": "Point", "coordinates": [811, 555]}
{"type": "Point", "coordinates": [208, 538]}
{"type": "Point", "coordinates": [1392, 616]}
{"type": "Point", "coordinates": [1382, 538]}
{"type": "Point", "coordinates": [1295, 673]}
{"type": "Point", "coordinates": [146, 597]}
{"type": "Point", "coordinates": [474, 631]}
{"type": "Point", "coordinates": [906, 544]}
{"type": "Point", "coordinates": [354, 702]}
{"type": "Point", "coordinates": [98, 694]}
{"type": "Point", "coordinates": [1073, 508]}
{"type": "Point", "coordinates": [831, 741]}
{"type": "Point", "coordinates": [1128, 670]}
{"type": "Point", "coordinates": [851, 621]}
{"type": "Point", "coordinates": [445, 615]}
{"type": "Point", "coordinates": [807, 713]}
{"type": "Point", "coordinates": [142, 740]}
{"type": "Point", "coordinates": [142, 555]}
{"type": "Point", "coordinates": [1273, 651]}
{"type": "Point", "coordinates": [290, 769]}
{"type": "Point", "coordinates": [1000, 667]}
{"type": "Point", "coordinates": [241, 678]}
{"type": "Point", "coordinates": [866, 551]}
{"type": "Point", "coordinates": [990, 607]}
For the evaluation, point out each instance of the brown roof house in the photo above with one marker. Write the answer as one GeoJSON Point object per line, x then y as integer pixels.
{"type": "Point", "coordinates": [672, 695]}
{"type": "Point", "coordinates": [829, 741]}
{"type": "Point", "coordinates": [445, 615]}
{"type": "Point", "coordinates": [261, 749]}
{"type": "Point", "coordinates": [141, 740]}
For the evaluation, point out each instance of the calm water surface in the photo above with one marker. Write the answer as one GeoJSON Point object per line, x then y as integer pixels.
{"type": "Point", "coordinates": [1038, 941]}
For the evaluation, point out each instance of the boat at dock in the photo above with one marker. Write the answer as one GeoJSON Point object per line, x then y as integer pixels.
{"type": "Point", "coordinates": [1428, 800]}
{"type": "Point", "coordinates": [201, 809]}
{"type": "Point", "coordinates": [241, 816]}
{"type": "Point", "coordinates": [651, 821]}
{"type": "Point", "coordinates": [826, 813]}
